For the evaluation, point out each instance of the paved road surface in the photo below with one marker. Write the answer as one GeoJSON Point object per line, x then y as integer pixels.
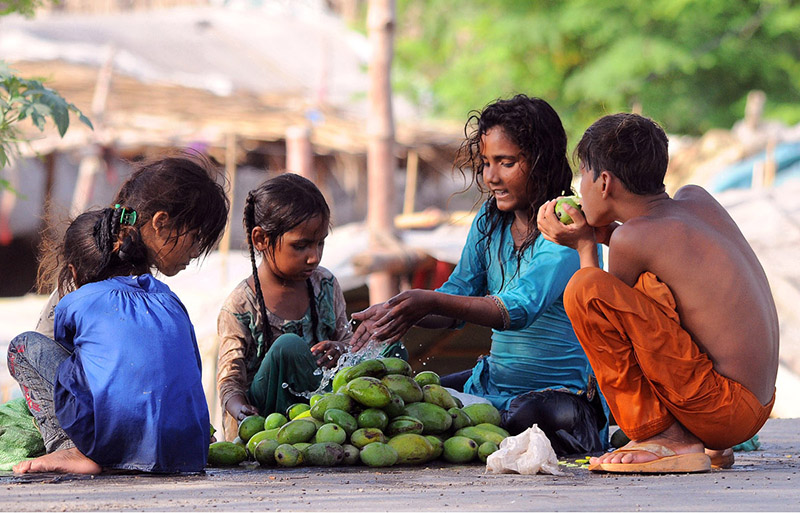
{"type": "Point", "coordinates": [763, 480]}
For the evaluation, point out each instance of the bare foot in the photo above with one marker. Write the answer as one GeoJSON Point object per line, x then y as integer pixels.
{"type": "Point", "coordinates": [674, 437]}
{"type": "Point", "coordinates": [721, 459]}
{"type": "Point", "coordinates": [66, 461]}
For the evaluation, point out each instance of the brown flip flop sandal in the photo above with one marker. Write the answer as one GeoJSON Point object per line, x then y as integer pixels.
{"type": "Point", "coordinates": [667, 462]}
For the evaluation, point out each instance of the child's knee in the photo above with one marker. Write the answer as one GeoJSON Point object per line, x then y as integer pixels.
{"type": "Point", "coordinates": [581, 287]}
{"type": "Point", "coordinates": [289, 343]}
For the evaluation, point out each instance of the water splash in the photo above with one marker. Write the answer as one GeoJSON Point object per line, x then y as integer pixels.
{"type": "Point", "coordinates": [347, 359]}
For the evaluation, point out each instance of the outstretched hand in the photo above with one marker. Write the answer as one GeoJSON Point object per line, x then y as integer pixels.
{"type": "Point", "coordinates": [328, 352]}
{"type": "Point", "coordinates": [388, 322]}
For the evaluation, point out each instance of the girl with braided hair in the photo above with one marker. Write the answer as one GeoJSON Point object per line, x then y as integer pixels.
{"type": "Point", "coordinates": [119, 384]}
{"type": "Point", "coordinates": [287, 320]}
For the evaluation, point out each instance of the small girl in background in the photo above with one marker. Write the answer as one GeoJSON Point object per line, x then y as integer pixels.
{"type": "Point", "coordinates": [287, 320]}
{"type": "Point", "coordinates": [120, 386]}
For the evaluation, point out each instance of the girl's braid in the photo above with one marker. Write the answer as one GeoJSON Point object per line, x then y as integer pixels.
{"type": "Point", "coordinates": [313, 305]}
{"type": "Point", "coordinates": [105, 234]}
{"type": "Point", "coordinates": [249, 222]}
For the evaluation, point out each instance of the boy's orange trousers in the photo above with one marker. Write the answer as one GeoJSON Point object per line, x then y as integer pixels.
{"type": "Point", "coordinates": [649, 369]}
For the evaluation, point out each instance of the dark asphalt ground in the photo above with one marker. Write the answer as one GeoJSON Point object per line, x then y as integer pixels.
{"type": "Point", "coordinates": [762, 480]}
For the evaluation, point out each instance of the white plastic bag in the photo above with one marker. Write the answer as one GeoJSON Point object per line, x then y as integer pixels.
{"type": "Point", "coordinates": [529, 452]}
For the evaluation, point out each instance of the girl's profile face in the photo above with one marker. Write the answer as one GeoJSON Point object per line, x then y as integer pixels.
{"type": "Point", "coordinates": [299, 251]}
{"type": "Point", "coordinates": [505, 171]}
{"type": "Point", "coordinates": [176, 252]}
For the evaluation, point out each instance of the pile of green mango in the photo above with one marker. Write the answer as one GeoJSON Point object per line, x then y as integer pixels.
{"type": "Point", "coordinates": [379, 414]}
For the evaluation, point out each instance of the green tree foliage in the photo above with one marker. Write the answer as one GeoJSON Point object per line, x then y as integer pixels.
{"type": "Point", "coordinates": [687, 63]}
{"type": "Point", "coordinates": [26, 99]}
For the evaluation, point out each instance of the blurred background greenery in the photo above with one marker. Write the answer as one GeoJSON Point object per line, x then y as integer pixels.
{"type": "Point", "coordinates": [688, 64]}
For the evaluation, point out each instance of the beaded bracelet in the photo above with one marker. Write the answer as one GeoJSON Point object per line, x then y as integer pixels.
{"type": "Point", "coordinates": [503, 311]}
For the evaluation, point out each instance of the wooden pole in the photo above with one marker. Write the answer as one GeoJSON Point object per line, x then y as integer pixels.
{"type": "Point", "coordinates": [299, 156]}
{"type": "Point", "coordinates": [412, 170]}
{"type": "Point", "coordinates": [230, 176]}
{"type": "Point", "coordinates": [380, 151]}
{"type": "Point", "coordinates": [92, 162]}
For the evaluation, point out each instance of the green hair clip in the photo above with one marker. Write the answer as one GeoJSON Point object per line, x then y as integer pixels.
{"type": "Point", "coordinates": [128, 215]}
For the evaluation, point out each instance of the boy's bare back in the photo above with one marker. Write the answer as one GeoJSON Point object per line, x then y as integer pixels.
{"type": "Point", "coordinates": [722, 294]}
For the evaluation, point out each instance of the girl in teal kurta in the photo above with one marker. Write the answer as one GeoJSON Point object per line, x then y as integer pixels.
{"type": "Point", "coordinates": [512, 280]}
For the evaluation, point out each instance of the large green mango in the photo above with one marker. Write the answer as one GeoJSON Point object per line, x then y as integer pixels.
{"type": "Point", "coordinates": [371, 368]}
{"type": "Point", "coordinates": [325, 454]}
{"type": "Point", "coordinates": [294, 431]}
{"type": "Point", "coordinates": [460, 449]}
{"type": "Point", "coordinates": [436, 394]}
{"type": "Point", "coordinates": [411, 448]}
{"type": "Point", "coordinates": [480, 435]}
{"type": "Point", "coordinates": [223, 454]}
{"type": "Point", "coordinates": [405, 424]}
{"type": "Point", "coordinates": [460, 419]}
{"type": "Point", "coordinates": [434, 418]}
{"type": "Point", "coordinates": [365, 436]}
{"type": "Point", "coordinates": [378, 455]}
{"type": "Point", "coordinates": [482, 412]}
{"type": "Point", "coordinates": [338, 401]}
{"type": "Point", "coordinates": [396, 366]}
{"type": "Point", "coordinates": [368, 391]}
{"type": "Point", "coordinates": [404, 386]}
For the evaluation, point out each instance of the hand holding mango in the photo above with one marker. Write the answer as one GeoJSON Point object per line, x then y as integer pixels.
{"type": "Point", "coordinates": [561, 214]}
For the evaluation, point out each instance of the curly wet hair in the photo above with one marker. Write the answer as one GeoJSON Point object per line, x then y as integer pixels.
{"type": "Point", "coordinates": [535, 127]}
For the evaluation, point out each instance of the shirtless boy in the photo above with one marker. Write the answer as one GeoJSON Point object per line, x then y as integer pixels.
{"type": "Point", "coordinates": [682, 330]}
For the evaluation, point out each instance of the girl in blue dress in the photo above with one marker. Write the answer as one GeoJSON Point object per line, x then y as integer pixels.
{"type": "Point", "coordinates": [120, 386]}
{"type": "Point", "coordinates": [512, 280]}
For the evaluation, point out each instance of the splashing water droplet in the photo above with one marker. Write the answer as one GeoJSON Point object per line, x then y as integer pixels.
{"type": "Point", "coordinates": [347, 359]}
{"type": "Point", "coordinates": [284, 385]}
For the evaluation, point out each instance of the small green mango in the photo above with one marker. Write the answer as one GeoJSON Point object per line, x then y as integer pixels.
{"type": "Point", "coordinates": [396, 366]}
{"type": "Point", "coordinates": [368, 391]}
{"type": "Point", "coordinates": [337, 401]}
{"type": "Point", "coordinates": [265, 452]}
{"type": "Point", "coordinates": [438, 395]}
{"type": "Point", "coordinates": [225, 454]}
{"type": "Point", "coordinates": [254, 440]}
{"type": "Point", "coordinates": [561, 213]}
{"type": "Point", "coordinates": [373, 417]}
{"type": "Point", "coordinates": [371, 368]}
{"type": "Point", "coordinates": [330, 433]}
{"type": "Point", "coordinates": [396, 405]}
{"type": "Point", "coordinates": [378, 455]}
{"type": "Point", "coordinates": [485, 449]}
{"type": "Point", "coordinates": [342, 419]}
{"type": "Point", "coordinates": [325, 454]}
{"type": "Point", "coordinates": [434, 418]}
{"type": "Point", "coordinates": [404, 424]}
{"type": "Point", "coordinates": [437, 444]}
{"type": "Point", "coordinates": [412, 449]}
{"type": "Point", "coordinates": [492, 427]}
{"type": "Point", "coordinates": [460, 419]}
{"type": "Point", "coordinates": [365, 436]}
{"type": "Point", "coordinates": [275, 420]}
{"type": "Point", "coordinates": [460, 449]}
{"type": "Point", "coordinates": [427, 378]}
{"type": "Point", "coordinates": [296, 409]}
{"type": "Point", "coordinates": [480, 435]}
{"type": "Point", "coordinates": [482, 412]}
{"type": "Point", "coordinates": [351, 454]}
{"type": "Point", "coordinates": [287, 455]}
{"type": "Point", "coordinates": [404, 386]}
{"type": "Point", "coordinates": [250, 425]}
{"type": "Point", "coordinates": [294, 431]}
{"type": "Point", "coordinates": [340, 379]}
